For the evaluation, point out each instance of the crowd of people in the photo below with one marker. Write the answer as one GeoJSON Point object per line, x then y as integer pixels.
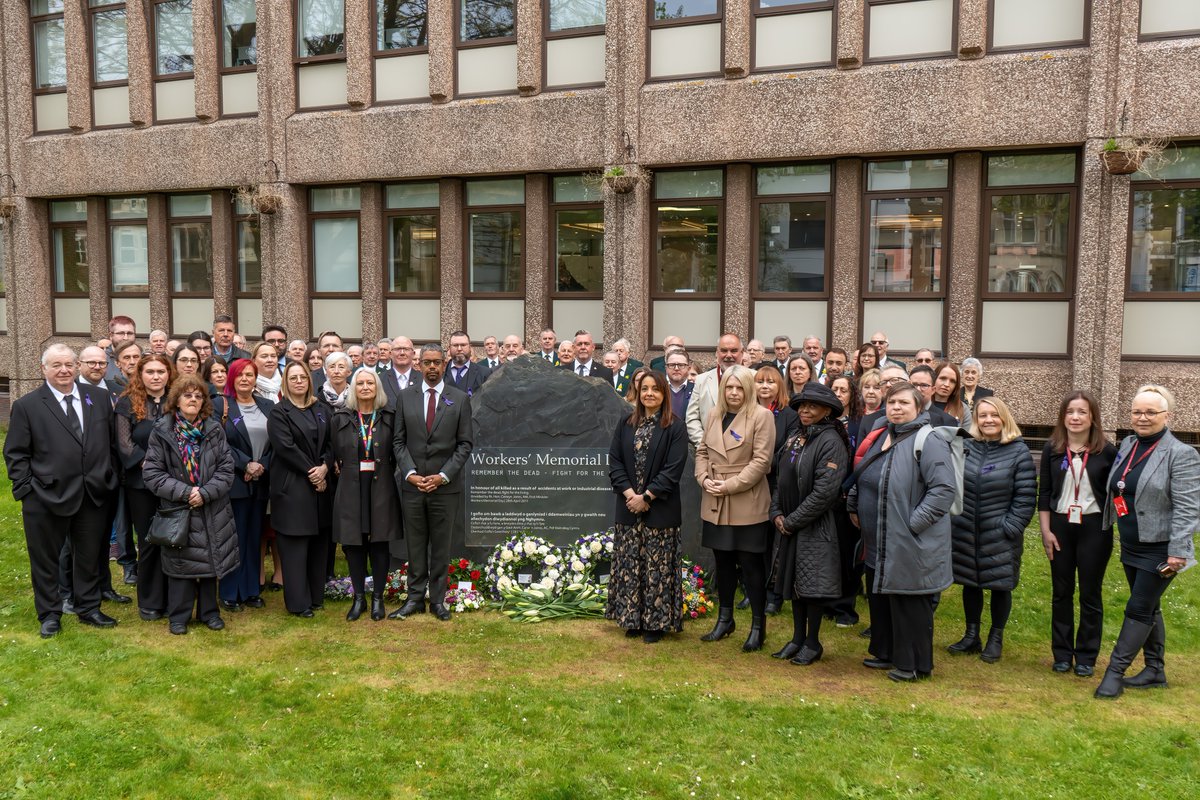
{"type": "Point", "coordinates": [824, 474]}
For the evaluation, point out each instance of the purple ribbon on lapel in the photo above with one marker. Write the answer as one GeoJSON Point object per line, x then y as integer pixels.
{"type": "Point", "coordinates": [87, 398]}
{"type": "Point", "coordinates": [735, 436]}
{"type": "Point", "coordinates": [448, 401]}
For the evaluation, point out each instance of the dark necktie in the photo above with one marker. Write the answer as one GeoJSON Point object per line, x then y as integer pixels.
{"type": "Point", "coordinates": [583, 370]}
{"type": "Point", "coordinates": [458, 373]}
{"type": "Point", "coordinates": [72, 420]}
{"type": "Point", "coordinates": [430, 410]}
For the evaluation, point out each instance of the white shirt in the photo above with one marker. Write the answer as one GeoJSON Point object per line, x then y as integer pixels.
{"type": "Point", "coordinates": [76, 404]}
{"type": "Point", "coordinates": [1067, 498]}
{"type": "Point", "coordinates": [403, 378]}
{"type": "Point", "coordinates": [586, 365]}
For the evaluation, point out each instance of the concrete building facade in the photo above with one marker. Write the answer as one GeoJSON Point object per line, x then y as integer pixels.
{"type": "Point", "coordinates": [928, 167]}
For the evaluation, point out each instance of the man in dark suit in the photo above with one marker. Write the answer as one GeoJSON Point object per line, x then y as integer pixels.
{"type": "Point", "coordinates": [463, 374]}
{"type": "Point", "coordinates": [677, 380]}
{"type": "Point", "coordinates": [60, 457]}
{"type": "Point", "coordinates": [626, 365]}
{"type": "Point", "coordinates": [583, 364]}
{"type": "Point", "coordinates": [400, 373]}
{"type": "Point", "coordinates": [548, 339]}
{"type": "Point", "coordinates": [431, 443]}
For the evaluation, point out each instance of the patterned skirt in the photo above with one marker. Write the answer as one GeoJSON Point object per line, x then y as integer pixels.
{"type": "Point", "coordinates": [645, 591]}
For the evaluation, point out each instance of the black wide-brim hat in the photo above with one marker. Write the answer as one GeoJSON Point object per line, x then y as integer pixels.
{"type": "Point", "coordinates": [821, 395]}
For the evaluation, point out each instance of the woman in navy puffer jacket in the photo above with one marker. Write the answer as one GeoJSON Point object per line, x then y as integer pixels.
{"type": "Point", "coordinates": [999, 498]}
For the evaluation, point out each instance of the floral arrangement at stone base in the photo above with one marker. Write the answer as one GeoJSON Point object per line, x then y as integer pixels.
{"type": "Point", "coordinates": [463, 570]}
{"type": "Point", "coordinates": [397, 584]}
{"type": "Point", "coordinates": [537, 605]}
{"type": "Point", "coordinates": [589, 560]}
{"type": "Point", "coordinates": [339, 589]}
{"type": "Point", "coordinates": [462, 600]}
{"type": "Point", "coordinates": [526, 561]}
{"type": "Point", "coordinates": [695, 595]}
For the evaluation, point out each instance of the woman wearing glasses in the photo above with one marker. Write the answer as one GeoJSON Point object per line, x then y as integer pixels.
{"type": "Point", "coordinates": [1154, 498]}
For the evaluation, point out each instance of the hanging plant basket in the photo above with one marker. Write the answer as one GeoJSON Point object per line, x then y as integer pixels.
{"type": "Point", "coordinates": [267, 203]}
{"type": "Point", "coordinates": [621, 184]}
{"type": "Point", "coordinates": [8, 207]}
{"type": "Point", "coordinates": [1121, 162]}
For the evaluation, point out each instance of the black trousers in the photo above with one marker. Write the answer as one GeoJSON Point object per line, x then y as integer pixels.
{"type": "Point", "coordinates": [972, 598]}
{"type": "Point", "coordinates": [1146, 589]}
{"type": "Point", "coordinates": [151, 583]}
{"type": "Point", "coordinates": [66, 558]}
{"type": "Point", "coordinates": [849, 539]}
{"type": "Point", "coordinates": [123, 531]}
{"type": "Point", "coordinates": [881, 620]}
{"type": "Point", "coordinates": [1083, 555]}
{"type": "Point", "coordinates": [303, 560]}
{"type": "Point", "coordinates": [754, 576]}
{"type": "Point", "coordinates": [45, 535]}
{"type": "Point", "coordinates": [912, 631]}
{"type": "Point", "coordinates": [428, 522]}
{"type": "Point", "coordinates": [186, 594]}
{"type": "Point", "coordinates": [357, 555]}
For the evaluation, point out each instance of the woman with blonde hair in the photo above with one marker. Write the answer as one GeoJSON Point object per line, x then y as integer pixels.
{"type": "Point", "coordinates": [732, 461]}
{"type": "Point", "coordinates": [871, 392]}
{"type": "Point", "coordinates": [988, 537]}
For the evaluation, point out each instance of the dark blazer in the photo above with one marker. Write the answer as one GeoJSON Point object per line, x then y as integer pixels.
{"type": "Point", "coordinates": [392, 387]}
{"type": "Point", "coordinates": [243, 451]}
{"type": "Point", "coordinates": [346, 439]}
{"type": "Point", "coordinates": [1054, 475]}
{"type": "Point", "coordinates": [235, 353]}
{"type": "Point", "coordinates": [48, 464]}
{"type": "Point", "coordinates": [552, 361]}
{"type": "Point", "coordinates": [980, 391]}
{"type": "Point", "coordinates": [664, 469]}
{"type": "Point", "coordinates": [444, 449]}
{"type": "Point", "coordinates": [131, 449]}
{"type": "Point", "coordinates": [477, 372]}
{"type": "Point", "coordinates": [598, 370]}
{"type": "Point", "coordinates": [297, 508]}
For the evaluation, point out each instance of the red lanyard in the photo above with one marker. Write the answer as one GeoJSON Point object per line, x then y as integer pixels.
{"type": "Point", "coordinates": [1082, 471]}
{"type": "Point", "coordinates": [1130, 464]}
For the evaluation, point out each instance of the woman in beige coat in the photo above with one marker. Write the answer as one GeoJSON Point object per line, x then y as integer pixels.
{"type": "Point", "coordinates": [732, 461]}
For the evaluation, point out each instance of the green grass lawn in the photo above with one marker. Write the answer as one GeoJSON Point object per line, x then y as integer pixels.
{"type": "Point", "coordinates": [484, 707]}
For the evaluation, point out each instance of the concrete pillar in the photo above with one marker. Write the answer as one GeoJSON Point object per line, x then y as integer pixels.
{"type": "Point", "coordinates": [538, 231]}
{"type": "Point", "coordinates": [737, 234]}
{"type": "Point", "coordinates": [370, 258]}
{"type": "Point", "coordinates": [451, 257]}
{"type": "Point", "coordinates": [962, 271]}
{"type": "Point", "coordinates": [847, 253]}
{"type": "Point", "coordinates": [529, 47]}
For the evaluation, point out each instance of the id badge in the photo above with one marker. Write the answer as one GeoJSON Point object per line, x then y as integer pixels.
{"type": "Point", "coordinates": [1075, 515]}
{"type": "Point", "coordinates": [1120, 505]}
{"type": "Point", "coordinates": [366, 466]}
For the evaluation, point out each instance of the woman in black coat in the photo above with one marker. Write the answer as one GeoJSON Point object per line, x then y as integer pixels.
{"type": "Point", "coordinates": [244, 418]}
{"type": "Point", "coordinates": [646, 460]}
{"type": "Point", "coordinates": [366, 515]}
{"type": "Point", "coordinates": [999, 497]}
{"type": "Point", "coordinates": [809, 473]}
{"type": "Point", "coordinates": [189, 461]}
{"type": "Point", "coordinates": [1071, 496]}
{"type": "Point", "coordinates": [137, 411]}
{"type": "Point", "coordinates": [771, 391]}
{"type": "Point", "coordinates": [301, 511]}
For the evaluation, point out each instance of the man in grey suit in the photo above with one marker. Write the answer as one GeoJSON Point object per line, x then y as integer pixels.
{"type": "Point", "coordinates": [431, 443]}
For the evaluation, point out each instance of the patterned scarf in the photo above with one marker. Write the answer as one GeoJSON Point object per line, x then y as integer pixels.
{"type": "Point", "coordinates": [334, 398]}
{"type": "Point", "coordinates": [187, 437]}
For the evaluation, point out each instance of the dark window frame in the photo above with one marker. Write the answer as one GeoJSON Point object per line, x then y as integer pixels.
{"type": "Point", "coordinates": [155, 77]}
{"type": "Point", "coordinates": [398, 51]}
{"type": "Point", "coordinates": [465, 44]}
{"type": "Point", "coordinates": [392, 213]}
{"type": "Point", "coordinates": [652, 24]}
{"type": "Point", "coordinates": [235, 220]}
{"type": "Point", "coordinates": [34, 20]}
{"type": "Point", "coordinates": [1085, 41]}
{"type": "Point", "coordinates": [569, 33]}
{"type": "Point", "coordinates": [219, 21]}
{"type": "Point", "coordinates": [954, 31]}
{"type": "Point", "coordinates": [947, 196]}
{"type": "Point", "coordinates": [518, 294]}
{"type": "Point", "coordinates": [553, 207]}
{"type": "Point", "coordinates": [109, 224]}
{"type": "Point", "coordinates": [1145, 186]}
{"type": "Point", "coordinates": [758, 200]}
{"type": "Point", "coordinates": [171, 221]}
{"type": "Point", "coordinates": [92, 13]}
{"type": "Point", "coordinates": [793, 9]}
{"type": "Point", "coordinates": [311, 217]}
{"type": "Point", "coordinates": [55, 294]}
{"type": "Point", "coordinates": [1154, 37]}
{"type": "Point", "coordinates": [720, 201]}
{"type": "Point", "coordinates": [299, 61]}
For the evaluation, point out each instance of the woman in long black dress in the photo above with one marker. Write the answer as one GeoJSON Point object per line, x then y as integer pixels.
{"type": "Point", "coordinates": [809, 473]}
{"type": "Point", "coordinates": [646, 460]}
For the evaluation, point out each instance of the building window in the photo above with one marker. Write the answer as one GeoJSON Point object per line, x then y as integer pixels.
{"type": "Point", "coordinates": [486, 19]}
{"type": "Point", "coordinates": [793, 34]}
{"type": "Point", "coordinates": [687, 232]}
{"type": "Point", "coordinates": [1164, 257]}
{"type": "Point", "coordinates": [128, 256]}
{"type": "Point", "coordinates": [411, 239]}
{"type": "Point", "coordinates": [401, 47]}
{"type": "Point", "coordinates": [574, 43]}
{"type": "Point", "coordinates": [190, 229]}
{"type": "Point", "coordinates": [906, 208]}
{"type": "Point", "coordinates": [173, 51]}
{"type": "Point", "coordinates": [904, 29]}
{"type": "Point", "coordinates": [1030, 206]}
{"type": "Point", "coordinates": [49, 65]}
{"type": "Point", "coordinates": [793, 227]}
{"type": "Point", "coordinates": [237, 26]}
{"type": "Point", "coordinates": [1161, 19]}
{"type": "Point", "coordinates": [578, 230]}
{"type": "Point", "coordinates": [685, 38]}
{"type": "Point", "coordinates": [321, 29]}
{"type": "Point", "coordinates": [401, 24]}
{"type": "Point", "coordinates": [1027, 24]}
{"type": "Point", "coordinates": [247, 265]}
{"type": "Point", "coordinates": [110, 63]}
{"type": "Point", "coordinates": [494, 226]}
{"type": "Point", "coordinates": [69, 257]}
{"type": "Point", "coordinates": [334, 230]}
{"type": "Point", "coordinates": [486, 47]}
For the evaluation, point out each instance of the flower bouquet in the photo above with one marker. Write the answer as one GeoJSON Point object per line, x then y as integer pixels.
{"type": "Point", "coordinates": [397, 584]}
{"type": "Point", "coordinates": [536, 605]}
{"type": "Point", "coordinates": [339, 589]}
{"type": "Point", "coordinates": [695, 596]}
{"type": "Point", "coordinates": [464, 571]}
{"type": "Point", "coordinates": [526, 561]}
{"type": "Point", "coordinates": [591, 559]}
{"type": "Point", "coordinates": [462, 600]}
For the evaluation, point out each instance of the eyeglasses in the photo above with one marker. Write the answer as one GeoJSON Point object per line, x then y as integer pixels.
{"type": "Point", "coordinates": [275, 341]}
{"type": "Point", "coordinates": [191, 396]}
{"type": "Point", "coordinates": [676, 366]}
{"type": "Point", "coordinates": [94, 364]}
{"type": "Point", "coordinates": [1145, 414]}
{"type": "Point", "coordinates": [427, 362]}
{"type": "Point", "coordinates": [921, 385]}
{"type": "Point", "coordinates": [187, 360]}
{"type": "Point", "coordinates": [924, 360]}
{"type": "Point", "coordinates": [890, 381]}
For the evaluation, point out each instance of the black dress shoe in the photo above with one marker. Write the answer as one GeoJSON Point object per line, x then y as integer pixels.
{"type": "Point", "coordinates": [231, 605]}
{"type": "Point", "coordinates": [113, 597]}
{"type": "Point", "coordinates": [254, 602]}
{"type": "Point", "coordinates": [650, 637]}
{"type": "Point", "coordinates": [742, 606]}
{"type": "Point", "coordinates": [787, 651]}
{"type": "Point", "coordinates": [1084, 670]}
{"type": "Point", "coordinates": [877, 663]}
{"type": "Point", "coordinates": [68, 607]}
{"type": "Point", "coordinates": [902, 675]}
{"type": "Point", "coordinates": [149, 614]}
{"type": "Point", "coordinates": [808, 655]}
{"type": "Point", "coordinates": [215, 624]}
{"type": "Point", "coordinates": [50, 626]}
{"type": "Point", "coordinates": [439, 611]}
{"type": "Point", "coordinates": [408, 609]}
{"type": "Point", "coordinates": [130, 575]}
{"type": "Point", "coordinates": [865, 633]}
{"type": "Point", "coordinates": [1061, 666]}
{"type": "Point", "coordinates": [178, 628]}
{"type": "Point", "coordinates": [318, 606]}
{"type": "Point", "coordinates": [633, 633]}
{"type": "Point", "coordinates": [274, 587]}
{"type": "Point", "coordinates": [98, 619]}
{"type": "Point", "coordinates": [772, 609]}
{"type": "Point", "coordinates": [306, 613]}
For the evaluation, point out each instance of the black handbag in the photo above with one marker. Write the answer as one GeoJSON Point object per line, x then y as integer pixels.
{"type": "Point", "coordinates": [169, 526]}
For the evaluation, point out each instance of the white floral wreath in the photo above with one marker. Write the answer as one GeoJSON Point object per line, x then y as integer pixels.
{"type": "Point", "coordinates": [505, 564]}
{"type": "Point", "coordinates": [586, 553]}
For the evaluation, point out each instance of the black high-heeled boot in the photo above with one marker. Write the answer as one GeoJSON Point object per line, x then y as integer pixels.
{"type": "Point", "coordinates": [357, 607]}
{"type": "Point", "coordinates": [969, 643]}
{"type": "Point", "coordinates": [1154, 675]}
{"type": "Point", "coordinates": [378, 612]}
{"type": "Point", "coordinates": [758, 632]}
{"type": "Point", "coordinates": [995, 646]}
{"type": "Point", "coordinates": [1129, 641]}
{"type": "Point", "coordinates": [725, 625]}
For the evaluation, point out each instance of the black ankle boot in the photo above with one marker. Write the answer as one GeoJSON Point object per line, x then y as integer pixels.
{"type": "Point", "coordinates": [787, 651]}
{"type": "Point", "coordinates": [995, 644]}
{"type": "Point", "coordinates": [758, 632]}
{"type": "Point", "coordinates": [1133, 635]}
{"type": "Point", "coordinates": [969, 643]}
{"type": "Point", "coordinates": [725, 626]}
{"type": "Point", "coordinates": [1154, 676]}
{"type": "Point", "coordinates": [357, 607]}
{"type": "Point", "coordinates": [378, 612]}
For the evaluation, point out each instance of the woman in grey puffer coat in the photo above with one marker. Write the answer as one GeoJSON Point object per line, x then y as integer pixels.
{"type": "Point", "coordinates": [999, 498]}
{"type": "Point", "coordinates": [189, 461]}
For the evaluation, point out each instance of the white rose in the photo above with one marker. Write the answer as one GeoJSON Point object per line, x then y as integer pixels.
{"type": "Point", "coordinates": [506, 555]}
{"type": "Point", "coordinates": [595, 547]}
{"type": "Point", "coordinates": [504, 584]}
{"type": "Point", "coordinates": [577, 566]}
{"type": "Point", "coordinates": [551, 560]}
{"type": "Point", "coordinates": [459, 608]}
{"type": "Point", "coordinates": [608, 547]}
{"type": "Point", "coordinates": [543, 550]}
{"type": "Point", "coordinates": [584, 553]}
{"type": "Point", "coordinates": [553, 574]}
{"type": "Point", "coordinates": [530, 548]}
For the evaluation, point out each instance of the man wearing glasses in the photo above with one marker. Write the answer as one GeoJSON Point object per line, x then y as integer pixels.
{"type": "Point", "coordinates": [677, 379]}
{"type": "Point", "coordinates": [925, 356]}
{"type": "Point", "coordinates": [922, 379]}
{"type": "Point", "coordinates": [276, 336]}
{"type": "Point", "coordinates": [880, 340]}
{"type": "Point", "coordinates": [120, 330]}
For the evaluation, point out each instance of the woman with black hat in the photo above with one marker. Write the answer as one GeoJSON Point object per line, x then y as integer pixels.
{"type": "Point", "coordinates": [809, 472]}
